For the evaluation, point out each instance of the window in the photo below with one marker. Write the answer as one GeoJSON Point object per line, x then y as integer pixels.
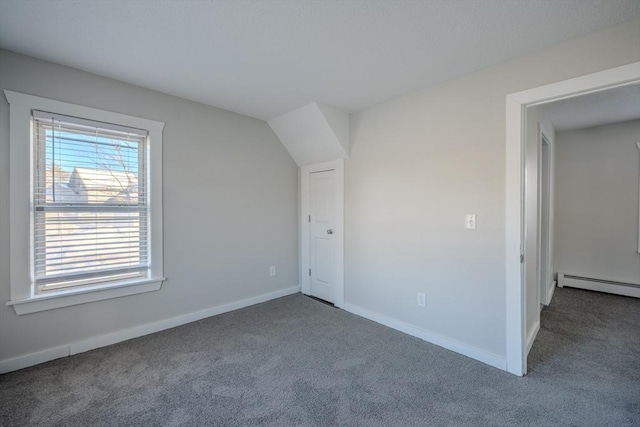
{"type": "Point", "coordinates": [86, 215]}
{"type": "Point", "coordinates": [90, 206]}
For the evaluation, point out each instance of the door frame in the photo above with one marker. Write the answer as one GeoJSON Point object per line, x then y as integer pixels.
{"type": "Point", "coordinates": [546, 270]}
{"type": "Point", "coordinates": [515, 221]}
{"type": "Point", "coordinates": [638, 208]}
{"type": "Point", "coordinates": [305, 172]}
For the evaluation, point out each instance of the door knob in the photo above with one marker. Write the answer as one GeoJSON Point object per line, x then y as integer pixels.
{"type": "Point", "coordinates": [329, 231]}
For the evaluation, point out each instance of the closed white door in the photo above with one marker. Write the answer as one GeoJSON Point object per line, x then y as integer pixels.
{"type": "Point", "coordinates": [322, 212]}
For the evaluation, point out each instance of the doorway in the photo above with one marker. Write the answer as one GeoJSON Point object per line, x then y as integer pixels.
{"type": "Point", "coordinates": [517, 222]}
{"type": "Point", "coordinates": [322, 231]}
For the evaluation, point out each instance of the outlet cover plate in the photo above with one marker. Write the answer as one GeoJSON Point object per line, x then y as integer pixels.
{"type": "Point", "coordinates": [422, 299]}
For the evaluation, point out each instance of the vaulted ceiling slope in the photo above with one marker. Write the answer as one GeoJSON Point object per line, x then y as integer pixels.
{"type": "Point", "coordinates": [313, 133]}
{"type": "Point", "coordinates": [265, 58]}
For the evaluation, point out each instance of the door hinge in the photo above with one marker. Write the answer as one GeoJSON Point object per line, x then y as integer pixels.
{"type": "Point", "coordinates": [521, 258]}
{"type": "Point", "coordinates": [309, 272]}
{"type": "Point", "coordinates": [309, 218]}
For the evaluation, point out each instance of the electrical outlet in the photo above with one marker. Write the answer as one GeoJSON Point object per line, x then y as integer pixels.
{"type": "Point", "coordinates": [422, 299]}
{"type": "Point", "coordinates": [470, 221]}
{"type": "Point", "coordinates": [272, 270]}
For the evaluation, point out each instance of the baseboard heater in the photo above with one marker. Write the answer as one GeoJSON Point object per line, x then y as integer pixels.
{"type": "Point", "coordinates": [619, 288]}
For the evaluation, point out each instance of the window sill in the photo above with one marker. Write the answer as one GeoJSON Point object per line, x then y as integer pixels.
{"type": "Point", "coordinates": [66, 298]}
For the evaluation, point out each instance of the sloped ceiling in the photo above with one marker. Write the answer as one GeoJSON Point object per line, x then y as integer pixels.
{"type": "Point", "coordinates": [313, 133]}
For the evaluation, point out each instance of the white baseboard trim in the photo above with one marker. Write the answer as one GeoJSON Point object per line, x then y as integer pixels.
{"type": "Point", "coordinates": [31, 359]}
{"type": "Point", "coordinates": [38, 357]}
{"type": "Point", "coordinates": [552, 289]}
{"type": "Point", "coordinates": [531, 337]}
{"type": "Point", "coordinates": [448, 343]}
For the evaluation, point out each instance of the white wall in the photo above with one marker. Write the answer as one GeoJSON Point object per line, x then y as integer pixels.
{"type": "Point", "coordinates": [597, 173]}
{"type": "Point", "coordinates": [419, 164]}
{"type": "Point", "coordinates": [230, 209]}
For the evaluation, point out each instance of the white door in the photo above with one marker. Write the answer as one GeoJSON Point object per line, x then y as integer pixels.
{"type": "Point", "coordinates": [322, 251]}
{"type": "Point", "coordinates": [544, 189]}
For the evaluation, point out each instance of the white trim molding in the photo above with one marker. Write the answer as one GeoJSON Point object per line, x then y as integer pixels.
{"type": "Point", "coordinates": [531, 337]}
{"type": "Point", "coordinates": [305, 171]}
{"type": "Point", "coordinates": [638, 144]}
{"type": "Point", "coordinates": [81, 296]}
{"type": "Point", "coordinates": [466, 350]}
{"type": "Point", "coordinates": [516, 105]}
{"type": "Point", "coordinates": [70, 349]}
{"type": "Point", "coordinates": [551, 290]}
{"type": "Point", "coordinates": [22, 293]}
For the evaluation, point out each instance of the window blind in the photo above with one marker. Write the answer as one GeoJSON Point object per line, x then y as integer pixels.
{"type": "Point", "coordinates": [90, 219]}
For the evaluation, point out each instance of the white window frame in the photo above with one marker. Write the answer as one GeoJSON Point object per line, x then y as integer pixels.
{"type": "Point", "coordinates": [23, 296]}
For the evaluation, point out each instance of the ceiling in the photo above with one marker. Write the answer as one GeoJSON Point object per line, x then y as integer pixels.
{"type": "Point", "coordinates": [265, 58]}
{"type": "Point", "coordinates": [595, 109]}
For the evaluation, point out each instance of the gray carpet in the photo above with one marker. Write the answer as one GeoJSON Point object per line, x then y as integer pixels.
{"type": "Point", "coordinates": [296, 361]}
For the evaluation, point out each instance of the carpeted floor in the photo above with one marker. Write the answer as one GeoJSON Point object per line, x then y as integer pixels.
{"type": "Point", "coordinates": [296, 361]}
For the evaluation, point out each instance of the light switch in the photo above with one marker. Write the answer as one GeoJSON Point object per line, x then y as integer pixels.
{"type": "Point", "coordinates": [470, 221]}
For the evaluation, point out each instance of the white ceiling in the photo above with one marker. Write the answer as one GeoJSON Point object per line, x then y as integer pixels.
{"type": "Point", "coordinates": [264, 58]}
{"type": "Point", "coordinates": [595, 109]}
